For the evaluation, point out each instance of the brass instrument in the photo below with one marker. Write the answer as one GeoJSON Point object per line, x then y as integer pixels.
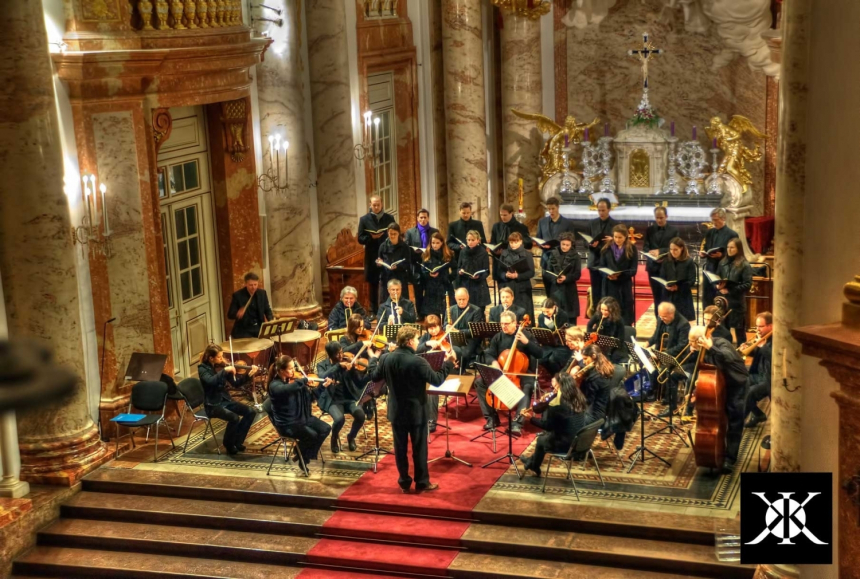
{"type": "Point", "coordinates": [348, 314]}
{"type": "Point", "coordinates": [663, 337]}
{"type": "Point", "coordinates": [448, 306]}
{"type": "Point", "coordinates": [749, 347]}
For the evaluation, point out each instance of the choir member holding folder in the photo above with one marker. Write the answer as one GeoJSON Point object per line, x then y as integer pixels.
{"type": "Point", "coordinates": [372, 230]}
{"type": "Point", "coordinates": [395, 258]}
{"type": "Point", "coordinates": [435, 275]}
{"type": "Point", "coordinates": [564, 268]}
{"type": "Point", "coordinates": [656, 246]}
{"type": "Point", "coordinates": [515, 270]}
{"type": "Point", "coordinates": [599, 233]}
{"type": "Point", "coordinates": [473, 268]}
{"type": "Point", "coordinates": [549, 232]}
{"type": "Point", "coordinates": [458, 230]}
{"type": "Point", "coordinates": [736, 280]}
{"type": "Point", "coordinates": [714, 248]}
{"type": "Point", "coordinates": [677, 277]}
{"type": "Point", "coordinates": [618, 262]}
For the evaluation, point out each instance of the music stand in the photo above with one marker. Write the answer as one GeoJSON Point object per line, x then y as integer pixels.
{"type": "Point", "coordinates": [546, 338]}
{"type": "Point", "coordinates": [488, 376]}
{"type": "Point", "coordinates": [484, 330]}
{"type": "Point", "coordinates": [372, 391]}
{"type": "Point", "coordinates": [608, 343]}
{"type": "Point", "coordinates": [504, 388]}
{"type": "Point", "coordinates": [390, 330]}
{"type": "Point", "coordinates": [460, 388]}
{"type": "Point", "coordinates": [640, 450]}
{"type": "Point", "coordinates": [142, 367]}
{"type": "Point", "coordinates": [276, 329]}
{"type": "Point", "coordinates": [667, 361]}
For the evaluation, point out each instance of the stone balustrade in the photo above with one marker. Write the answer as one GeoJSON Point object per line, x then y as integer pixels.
{"type": "Point", "coordinates": [187, 14]}
{"type": "Point", "coordinates": [380, 9]}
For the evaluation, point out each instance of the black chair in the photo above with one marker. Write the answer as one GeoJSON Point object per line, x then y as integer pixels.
{"type": "Point", "coordinates": [581, 444]}
{"type": "Point", "coordinates": [290, 444]}
{"type": "Point", "coordinates": [191, 391]}
{"type": "Point", "coordinates": [148, 396]}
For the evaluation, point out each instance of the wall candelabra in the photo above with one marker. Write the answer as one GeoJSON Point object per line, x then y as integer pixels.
{"type": "Point", "coordinates": [87, 233]}
{"type": "Point", "coordinates": [276, 177]}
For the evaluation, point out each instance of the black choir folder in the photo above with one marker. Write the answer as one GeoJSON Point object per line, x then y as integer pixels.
{"type": "Point", "coordinates": [520, 266]}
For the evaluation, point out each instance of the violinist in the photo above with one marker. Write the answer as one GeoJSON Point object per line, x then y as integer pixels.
{"type": "Point", "coordinates": [502, 341]}
{"type": "Point", "coordinates": [759, 388]}
{"type": "Point", "coordinates": [607, 322]}
{"type": "Point", "coordinates": [396, 309]}
{"type": "Point", "coordinates": [669, 337]}
{"type": "Point", "coordinates": [551, 317]}
{"type": "Point", "coordinates": [564, 417]}
{"type": "Point", "coordinates": [722, 354]}
{"type": "Point", "coordinates": [343, 310]}
{"type": "Point", "coordinates": [355, 335]}
{"type": "Point", "coordinates": [429, 342]}
{"type": "Point", "coordinates": [342, 394]}
{"type": "Point", "coordinates": [506, 299]}
{"type": "Point", "coordinates": [216, 375]}
{"type": "Point", "coordinates": [291, 408]}
{"type": "Point", "coordinates": [595, 381]}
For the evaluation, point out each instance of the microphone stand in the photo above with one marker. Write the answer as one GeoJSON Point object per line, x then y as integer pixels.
{"type": "Point", "coordinates": [102, 370]}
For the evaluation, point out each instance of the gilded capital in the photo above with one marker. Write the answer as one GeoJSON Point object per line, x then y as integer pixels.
{"type": "Point", "coordinates": [852, 290]}
{"type": "Point", "coordinates": [532, 9]}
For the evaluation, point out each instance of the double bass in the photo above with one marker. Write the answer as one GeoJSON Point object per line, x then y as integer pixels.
{"type": "Point", "coordinates": [513, 363]}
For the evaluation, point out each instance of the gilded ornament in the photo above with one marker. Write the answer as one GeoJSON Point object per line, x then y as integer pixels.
{"type": "Point", "coordinates": [176, 11]}
{"type": "Point", "coordinates": [161, 12]}
{"type": "Point", "coordinates": [202, 13]}
{"type": "Point", "coordinates": [190, 13]}
{"type": "Point", "coordinates": [531, 9]}
{"type": "Point", "coordinates": [852, 290]}
{"type": "Point", "coordinates": [730, 141]}
{"type": "Point", "coordinates": [552, 154]}
{"type": "Point", "coordinates": [145, 9]}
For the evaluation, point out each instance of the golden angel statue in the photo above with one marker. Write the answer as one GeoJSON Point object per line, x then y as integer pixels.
{"type": "Point", "coordinates": [735, 154]}
{"type": "Point", "coordinates": [551, 154]}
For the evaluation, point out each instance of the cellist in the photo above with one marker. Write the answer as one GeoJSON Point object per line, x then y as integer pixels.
{"type": "Point", "coordinates": [502, 341]}
{"type": "Point", "coordinates": [721, 353]}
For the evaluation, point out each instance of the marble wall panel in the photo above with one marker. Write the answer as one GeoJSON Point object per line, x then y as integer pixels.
{"type": "Point", "coordinates": [441, 219]}
{"type": "Point", "coordinates": [603, 81]}
{"type": "Point", "coordinates": [116, 157]}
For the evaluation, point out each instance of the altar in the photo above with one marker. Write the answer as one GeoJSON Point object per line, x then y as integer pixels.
{"type": "Point", "coordinates": [640, 216]}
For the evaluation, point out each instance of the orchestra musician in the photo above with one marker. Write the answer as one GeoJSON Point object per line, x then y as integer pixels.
{"type": "Point", "coordinates": [407, 376]}
{"type": "Point", "coordinates": [475, 261]}
{"type": "Point", "coordinates": [760, 377]}
{"type": "Point", "coordinates": [396, 309]}
{"type": "Point", "coordinates": [670, 337]}
{"type": "Point", "coordinates": [502, 341]}
{"type": "Point", "coordinates": [720, 331]}
{"type": "Point", "coordinates": [458, 230]}
{"type": "Point", "coordinates": [436, 284]}
{"type": "Point", "coordinates": [375, 220]}
{"type": "Point", "coordinates": [596, 382]}
{"type": "Point", "coordinates": [507, 225]}
{"type": "Point", "coordinates": [341, 396]}
{"type": "Point", "coordinates": [622, 257]}
{"type": "Point", "coordinates": [473, 315]}
{"type": "Point", "coordinates": [551, 228]}
{"type": "Point", "coordinates": [429, 342]}
{"type": "Point", "coordinates": [679, 267]}
{"type": "Point", "coordinates": [506, 303]}
{"type": "Point", "coordinates": [722, 354]}
{"type": "Point", "coordinates": [715, 238]}
{"type": "Point", "coordinates": [291, 408]}
{"type": "Point", "coordinates": [250, 308]}
{"type": "Point", "coordinates": [419, 236]}
{"type": "Point", "coordinates": [216, 375]}
{"type": "Point", "coordinates": [607, 322]}
{"type": "Point", "coordinates": [393, 250]}
{"type": "Point", "coordinates": [521, 283]}
{"type": "Point", "coordinates": [736, 270]}
{"type": "Point", "coordinates": [600, 228]}
{"type": "Point", "coordinates": [344, 308]}
{"type": "Point", "coordinates": [559, 358]}
{"type": "Point", "coordinates": [353, 339]}
{"type": "Point", "coordinates": [551, 317]}
{"type": "Point", "coordinates": [564, 417]}
{"type": "Point", "coordinates": [564, 260]}
{"type": "Point", "coordinates": [656, 243]}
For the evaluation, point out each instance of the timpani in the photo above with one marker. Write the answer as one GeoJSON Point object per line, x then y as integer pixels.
{"type": "Point", "coordinates": [301, 345]}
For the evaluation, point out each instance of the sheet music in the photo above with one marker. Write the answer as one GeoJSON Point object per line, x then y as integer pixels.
{"type": "Point", "coordinates": [507, 392]}
{"type": "Point", "coordinates": [643, 357]}
{"type": "Point", "coordinates": [449, 386]}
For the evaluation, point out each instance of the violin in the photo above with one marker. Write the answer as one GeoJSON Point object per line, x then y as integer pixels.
{"type": "Point", "coordinates": [580, 376]}
{"type": "Point", "coordinates": [540, 406]}
{"type": "Point", "coordinates": [513, 364]}
{"type": "Point", "coordinates": [261, 371]}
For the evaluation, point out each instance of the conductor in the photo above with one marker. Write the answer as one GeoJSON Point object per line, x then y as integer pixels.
{"type": "Point", "coordinates": [407, 376]}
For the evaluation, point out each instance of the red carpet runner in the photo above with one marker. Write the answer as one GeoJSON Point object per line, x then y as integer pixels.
{"type": "Point", "coordinates": [376, 509]}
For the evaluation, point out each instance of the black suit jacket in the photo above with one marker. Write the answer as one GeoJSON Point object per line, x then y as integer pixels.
{"type": "Point", "coordinates": [474, 315]}
{"type": "Point", "coordinates": [215, 383]}
{"type": "Point", "coordinates": [337, 318]}
{"type": "Point", "coordinates": [496, 312]}
{"type": "Point", "coordinates": [258, 311]}
{"type": "Point", "coordinates": [367, 223]}
{"type": "Point", "coordinates": [408, 316]}
{"type": "Point", "coordinates": [407, 376]}
{"type": "Point", "coordinates": [657, 238]}
{"type": "Point", "coordinates": [678, 335]}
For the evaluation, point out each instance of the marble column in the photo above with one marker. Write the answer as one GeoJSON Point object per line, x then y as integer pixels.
{"type": "Point", "coordinates": [280, 88]}
{"type": "Point", "coordinates": [331, 105]}
{"type": "Point", "coordinates": [521, 90]}
{"type": "Point", "coordinates": [11, 486]}
{"type": "Point", "coordinates": [59, 441]}
{"type": "Point", "coordinates": [787, 394]}
{"type": "Point", "coordinates": [465, 111]}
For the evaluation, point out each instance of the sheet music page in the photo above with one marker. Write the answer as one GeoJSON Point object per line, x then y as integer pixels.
{"type": "Point", "coordinates": [451, 386]}
{"type": "Point", "coordinates": [507, 392]}
{"type": "Point", "coordinates": [643, 357]}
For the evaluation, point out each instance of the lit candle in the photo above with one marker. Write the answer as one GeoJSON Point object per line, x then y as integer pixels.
{"type": "Point", "coordinates": [367, 121]}
{"type": "Point", "coordinates": [673, 128]}
{"type": "Point", "coordinates": [102, 188]}
{"type": "Point", "coordinates": [286, 161]}
{"type": "Point", "coordinates": [586, 134]}
{"type": "Point", "coordinates": [87, 197]}
{"type": "Point", "coordinates": [694, 132]}
{"type": "Point", "coordinates": [271, 142]}
{"type": "Point", "coordinates": [606, 130]}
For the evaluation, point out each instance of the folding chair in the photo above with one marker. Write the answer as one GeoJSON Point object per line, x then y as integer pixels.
{"type": "Point", "coordinates": [582, 443]}
{"type": "Point", "coordinates": [148, 396]}
{"type": "Point", "coordinates": [192, 393]}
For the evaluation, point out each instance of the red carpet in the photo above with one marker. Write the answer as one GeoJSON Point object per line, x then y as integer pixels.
{"type": "Point", "coordinates": [460, 487]}
{"type": "Point", "coordinates": [382, 527]}
{"type": "Point", "coordinates": [392, 558]}
{"type": "Point", "coordinates": [311, 573]}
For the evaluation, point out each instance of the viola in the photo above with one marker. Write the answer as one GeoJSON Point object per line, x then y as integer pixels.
{"type": "Point", "coordinates": [513, 363]}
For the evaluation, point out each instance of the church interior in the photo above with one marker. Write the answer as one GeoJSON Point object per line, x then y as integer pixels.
{"type": "Point", "coordinates": [620, 233]}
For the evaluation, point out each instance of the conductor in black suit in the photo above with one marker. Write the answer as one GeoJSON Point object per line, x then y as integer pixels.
{"type": "Point", "coordinates": [250, 308]}
{"type": "Point", "coordinates": [407, 375]}
{"type": "Point", "coordinates": [375, 220]}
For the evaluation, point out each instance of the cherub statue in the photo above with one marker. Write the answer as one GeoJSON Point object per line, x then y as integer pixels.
{"type": "Point", "coordinates": [552, 152]}
{"type": "Point", "coordinates": [735, 154]}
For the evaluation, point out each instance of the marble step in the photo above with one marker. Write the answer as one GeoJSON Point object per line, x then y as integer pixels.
{"type": "Point", "coordinates": [544, 545]}
{"type": "Point", "coordinates": [70, 563]}
{"type": "Point", "coordinates": [213, 544]}
{"type": "Point", "coordinates": [483, 566]}
{"type": "Point", "coordinates": [196, 513]}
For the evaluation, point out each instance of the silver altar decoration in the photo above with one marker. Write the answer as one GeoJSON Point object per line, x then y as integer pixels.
{"type": "Point", "coordinates": [691, 163]}
{"type": "Point", "coordinates": [604, 155]}
{"type": "Point", "coordinates": [713, 185]}
{"type": "Point", "coordinates": [590, 167]}
{"type": "Point", "coordinates": [671, 186]}
{"type": "Point", "coordinates": [567, 186]}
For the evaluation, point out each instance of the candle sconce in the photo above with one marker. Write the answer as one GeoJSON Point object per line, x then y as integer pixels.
{"type": "Point", "coordinates": [88, 231]}
{"type": "Point", "coordinates": [277, 175]}
{"type": "Point", "coordinates": [368, 148]}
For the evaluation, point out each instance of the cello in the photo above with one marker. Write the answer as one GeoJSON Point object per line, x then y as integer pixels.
{"type": "Point", "coordinates": [513, 364]}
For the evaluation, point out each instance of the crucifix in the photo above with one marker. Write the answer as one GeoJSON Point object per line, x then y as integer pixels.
{"type": "Point", "coordinates": [648, 51]}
